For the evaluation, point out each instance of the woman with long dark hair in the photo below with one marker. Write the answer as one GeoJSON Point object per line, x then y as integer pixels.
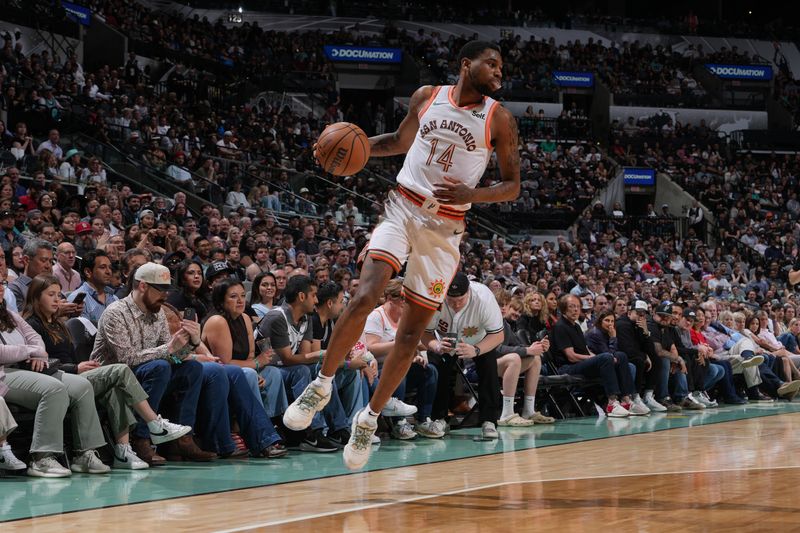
{"type": "Point", "coordinates": [51, 396]}
{"type": "Point", "coordinates": [192, 289]}
{"type": "Point", "coordinates": [263, 296]}
{"type": "Point", "coordinates": [229, 335]}
{"type": "Point", "coordinates": [115, 386]}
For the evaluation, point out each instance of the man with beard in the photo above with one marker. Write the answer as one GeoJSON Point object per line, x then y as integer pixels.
{"type": "Point", "coordinates": [134, 331]}
{"type": "Point", "coordinates": [449, 131]}
{"type": "Point", "coordinates": [84, 242]}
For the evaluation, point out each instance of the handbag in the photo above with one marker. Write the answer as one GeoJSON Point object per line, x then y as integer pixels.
{"type": "Point", "coordinates": [53, 365]}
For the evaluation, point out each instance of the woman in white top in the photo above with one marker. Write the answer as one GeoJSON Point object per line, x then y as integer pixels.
{"type": "Point", "coordinates": [379, 332]}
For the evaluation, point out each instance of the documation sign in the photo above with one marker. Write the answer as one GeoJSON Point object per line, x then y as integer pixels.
{"type": "Point", "coordinates": [363, 55]}
{"type": "Point", "coordinates": [741, 72]}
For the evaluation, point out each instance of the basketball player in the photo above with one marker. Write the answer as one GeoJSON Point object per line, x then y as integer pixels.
{"type": "Point", "coordinates": [448, 136]}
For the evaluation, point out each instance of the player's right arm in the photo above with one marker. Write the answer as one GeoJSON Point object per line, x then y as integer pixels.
{"type": "Point", "coordinates": [400, 141]}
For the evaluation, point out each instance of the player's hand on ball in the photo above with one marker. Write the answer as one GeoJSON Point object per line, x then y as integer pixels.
{"type": "Point", "coordinates": [453, 192]}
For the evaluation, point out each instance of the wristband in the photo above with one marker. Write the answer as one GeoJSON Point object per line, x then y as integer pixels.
{"type": "Point", "coordinates": [477, 350]}
{"type": "Point", "coordinates": [258, 365]}
{"type": "Point", "coordinates": [321, 355]}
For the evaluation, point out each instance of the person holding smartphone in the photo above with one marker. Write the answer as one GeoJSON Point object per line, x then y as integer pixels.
{"type": "Point", "coordinates": [470, 312]}
{"type": "Point", "coordinates": [95, 293]}
{"type": "Point", "coordinates": [515, 358]}
{"type": "Point", "coordinates": [115, 386]}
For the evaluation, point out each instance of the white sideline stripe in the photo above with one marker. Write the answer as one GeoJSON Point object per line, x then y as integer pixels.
{"type": "Point", "coordinates": [484, 487]}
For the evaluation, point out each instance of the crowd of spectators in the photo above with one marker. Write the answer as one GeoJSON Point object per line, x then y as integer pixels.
{"type": "Point", "coordinates": [266, 290]}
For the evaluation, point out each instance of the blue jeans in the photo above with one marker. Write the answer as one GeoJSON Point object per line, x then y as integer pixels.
{"type": "Point", "coordinates": [295, 379]}
{"type": "Point", "coordinates": [680, 386]}
{"type": "Point", "coordinates": [160, 378]}
{"type": "Point", "coordinates": [726, 384]}
{"type": "Point", "coordinates": [350, 397]}
{"type": "Point", "coordinates": [424, 379]}
{"type": "Point", "coordinates": [336, 417]}
{"type": "Point", "coordinates": [616, 377]}
{"type": "Point", "coordinates": [714, 374]}
{"type": "Point", "coordinates": [224, 386]}
{"type": "Point", "coordinates": [272, 394]}
{"type": "Point", "coordinates": [789, 341]}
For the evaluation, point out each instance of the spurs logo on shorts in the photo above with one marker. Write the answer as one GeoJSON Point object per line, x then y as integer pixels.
{"type": "Point", "coordinates": [452, 142]}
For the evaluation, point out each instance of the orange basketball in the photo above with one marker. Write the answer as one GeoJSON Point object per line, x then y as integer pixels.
{"type": "Point", "coordinates": [343, 149]}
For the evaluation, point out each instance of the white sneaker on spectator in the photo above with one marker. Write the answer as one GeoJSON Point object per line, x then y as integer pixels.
{"type": "Point", "coordinates": [89, 463]}
{"type": "Point", "coordinates": [638, 407]}
{"type": "Point", "coordinates": [166, 431]}
{"type": "Point", "coordinates": [48, 467]}
{"type": "Point", "coordinates": [698, 397]}
{"type": "Point", "coordinates": [753, 361]}
{"type": "Point", "coordinates": [126, 459]}
{"type": "Point", "coordinates": [375, 440]}
{"type": "Point", "coordinates": [430, 429]}
{"type": "Point", "coordinates": [489, 431]}
{"type": "Point", "coordinates": [514, 420]}
{"type": "Point", "coordinates": [652, 404]}
{"type": "Point", "coordinates": [615, 410]}
{"type": "Point", "coordinates": [707, 398]}
{"type": "Point", "coordinates": [395, 407]}
{"type": "Point", "coordinates": [298, 416]}
{"type": "Point", "coordinates": [358, 448]}
{"type": "Point", "coordinates": [539, 418]}
{"type": "Point", "coordinates": [9, 461]}
{"type": "Point", "coordinates": [403, 431]}
{"type": "Point", "coordinates": [441, 426]}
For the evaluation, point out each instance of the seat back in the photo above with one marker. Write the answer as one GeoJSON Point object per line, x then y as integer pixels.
{"type": "Point", "coordinates": [82, 341]}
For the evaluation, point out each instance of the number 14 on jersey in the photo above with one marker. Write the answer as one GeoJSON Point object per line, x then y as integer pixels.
{"type": "Point", "coordinates": [445, 158]}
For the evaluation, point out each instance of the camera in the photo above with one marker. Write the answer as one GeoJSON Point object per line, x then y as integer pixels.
{"type": "Point", "coordinates": [541, 335]}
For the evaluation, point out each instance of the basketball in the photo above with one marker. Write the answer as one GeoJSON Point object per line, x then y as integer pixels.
{"type": "Point", "coordinates": [343, 149]}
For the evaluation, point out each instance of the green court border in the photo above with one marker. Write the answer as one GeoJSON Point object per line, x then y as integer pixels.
{"type": "Point", "coordinates": [64, 496]}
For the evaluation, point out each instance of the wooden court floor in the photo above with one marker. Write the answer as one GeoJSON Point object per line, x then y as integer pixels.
{"type": "Point", "coordinates": [732, 476]}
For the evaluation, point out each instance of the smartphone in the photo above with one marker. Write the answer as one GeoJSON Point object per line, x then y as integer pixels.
{"type": "Point", "coordinates": [79, 298]}
{"type": "Point", "coordinates": [452, 339]}
{"type": "Point", "coordinates": [190, 313]}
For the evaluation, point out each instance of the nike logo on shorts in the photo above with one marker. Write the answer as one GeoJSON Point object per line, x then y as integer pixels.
{"type": "Point", "coordinates": [458, 232]}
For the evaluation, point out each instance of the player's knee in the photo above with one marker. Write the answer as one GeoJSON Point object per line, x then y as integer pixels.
{"type": "Point", "coordinates": [365, 299]}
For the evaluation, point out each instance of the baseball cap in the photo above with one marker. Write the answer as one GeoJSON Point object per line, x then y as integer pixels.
{"type": "Point", "coordinates": [689, 313]}
{"type": "Point", "coordinates": [144, 212]}
{"type": "Point", "coordinates": [6, 214]}
{"type": "Point", "coordinates": [216, 268]}
{"type": "Point", "coordinates": [155, 275]}
{"type": "Point", "coordinates": [640, 305]}
{"type": "Point", "coordinates": [71, 152]}
{"type": "Point", "coordinates": [80, 227]}
{"type": "Point", "coordinates": [459, 286]}
{"type": "Point", "coordinates": [34, 213]}
{"type": "Point", "coordinates": [304, 189]}
{"type": "Point", "coordinates": [173, 258]}
{"type": "Point", "coordinates": [664, 309]}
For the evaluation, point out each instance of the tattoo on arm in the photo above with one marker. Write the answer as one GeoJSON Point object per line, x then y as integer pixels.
{"type": "Point", "coordinates": [513, 144]}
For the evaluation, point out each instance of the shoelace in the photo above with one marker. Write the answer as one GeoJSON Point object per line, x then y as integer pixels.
{"type": "Point", "coordinates": [362, 438]}
{"type": "Point", "coordinates": [309, 400]}
{"type": "Point", "coordinates": [50, 462]}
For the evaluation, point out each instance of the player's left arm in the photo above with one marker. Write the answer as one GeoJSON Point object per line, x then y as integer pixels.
{"type": "Point", "coordinates": [505, 138]}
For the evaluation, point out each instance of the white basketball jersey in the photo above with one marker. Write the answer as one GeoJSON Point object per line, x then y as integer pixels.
{"type": "Point", "coordinates": [451, 141]}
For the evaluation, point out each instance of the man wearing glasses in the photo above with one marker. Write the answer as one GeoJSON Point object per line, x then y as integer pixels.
{"type": "Point", "coordinates": [63, 270]}
{"type": "Point", "coordinates": [134, 331]}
